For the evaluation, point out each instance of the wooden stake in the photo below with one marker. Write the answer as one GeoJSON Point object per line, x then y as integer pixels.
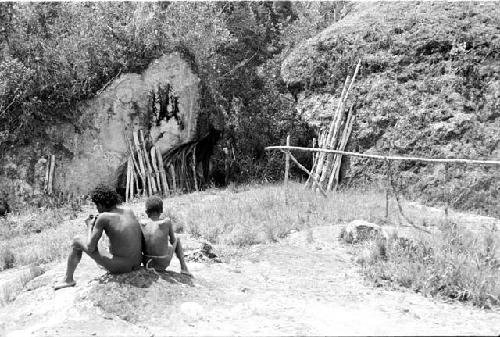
{"type": "Point", "coordinates": [127, 189]}
{"type": "Point", "coordinates": [132, 179]}
{"type": "Point", "coordinates": [145, 187]}
{"type": "Point", "coordinates": [444, 192]}
{"type": "Point", "coordinates": [51, 173]}
{"type": "Point", "coordinates": [313, 163]}
{"type": "Point", "coordinates": [163, 175]}
{"type": "Point", "coordinates": [152, 184]}
{"type": "Point", "coordinates": [136, 171]}
{"type": "Point", "coordinates": [46, 182]}
{"type": "Point", "coordinates": [309, 173]}
{"type": "Point", "coordinates": [328, 136]}
{"type": "Point", "coordinates": [387, 187]}
{"type": "Point", "coordinates": [172, 172]}
{"type": "Point", "coordinates": [194, 169]}
{"type": "Point", "coordinates": [155, 170]}
{"type": "Point", "coordinates": [333, 138]}
{"type": "Point", "coordinates": [287, 162]}
{"type": "Point", "coordinates": [334, 177]}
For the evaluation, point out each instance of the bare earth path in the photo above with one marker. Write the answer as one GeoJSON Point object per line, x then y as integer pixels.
{"type": "Point", "coordinates": [306, 284]}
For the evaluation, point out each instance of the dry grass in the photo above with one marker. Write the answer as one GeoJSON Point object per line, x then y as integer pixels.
{"type": "Point", "coordinates": [453, 263]}
{"type": "Point", "coordinates": [262, 213]}
{"type": "Point", "coordinates": [9, 290]}
{"type": "Point", "coordinates": [37, 236]}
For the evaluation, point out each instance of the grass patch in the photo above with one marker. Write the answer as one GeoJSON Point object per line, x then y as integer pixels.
{"type": "Point", "coordinates": [37, 236]}
{"type": "Point", "coordinates": [453, 263]}
{"type": "Point", "coordinates": [263, 213]}
{"type": "Point", "coordinates": [9, 290]}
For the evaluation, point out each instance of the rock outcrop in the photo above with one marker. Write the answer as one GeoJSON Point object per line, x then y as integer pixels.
{"type": "Point", "coordinates": [429, 86]}
{"type": "Point", "coordinates": [168, 101]}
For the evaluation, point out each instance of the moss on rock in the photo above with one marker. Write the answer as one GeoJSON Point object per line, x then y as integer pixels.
{"type": "Point", "coordinates": [429, 86]}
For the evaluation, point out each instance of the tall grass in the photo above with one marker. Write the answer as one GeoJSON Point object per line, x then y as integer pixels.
{"type": "Point", "coordinates": [265, 213]}
{"type": "Point", "coordinates": [453, 263]}
{"type": "Point", "coordinates": [36, 237]}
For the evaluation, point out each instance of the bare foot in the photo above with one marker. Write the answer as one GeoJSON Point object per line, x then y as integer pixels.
{"type": "Point", "coordinates": [64, 285]}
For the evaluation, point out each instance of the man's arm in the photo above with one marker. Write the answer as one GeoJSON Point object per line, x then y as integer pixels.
{"type": "Point", "coordinates": [171, 233]}
{"type": "Point", "coordinates": [96, 233]}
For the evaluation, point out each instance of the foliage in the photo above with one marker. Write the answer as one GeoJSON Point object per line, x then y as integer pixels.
{"type": "Point", "coordinates": [55, 55]}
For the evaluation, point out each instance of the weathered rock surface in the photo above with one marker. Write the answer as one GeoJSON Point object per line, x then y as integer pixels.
{"type": "Point", "coordinates": [359, 230]}
{"type": "Point", "coordinates": [164, 101]}
{"type": "Point", "coordinates": [168, 101]}
{"type": "Point", "coordinates": [428, 86]}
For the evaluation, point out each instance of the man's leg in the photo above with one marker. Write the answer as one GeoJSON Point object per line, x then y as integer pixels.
{"type": "Point", "coordinates": [73, 260]}
{"type": "Point", "coordinates": [179, 252]}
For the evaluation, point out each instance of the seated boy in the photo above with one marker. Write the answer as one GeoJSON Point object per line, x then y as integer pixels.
{"type": "Point", "coordinates": [157, 252]}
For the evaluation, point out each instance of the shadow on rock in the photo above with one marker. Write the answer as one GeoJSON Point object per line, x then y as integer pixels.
{"type": "Point", "coordinates": [144, 278]}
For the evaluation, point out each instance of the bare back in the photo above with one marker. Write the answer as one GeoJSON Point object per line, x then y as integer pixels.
{"type": "Point", "coordinates": [124, 234]}
{"type": "Point", "coordinates": [157, 235]}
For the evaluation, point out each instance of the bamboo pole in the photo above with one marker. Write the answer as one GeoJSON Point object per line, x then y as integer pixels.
{"type": "Point", "coordinates": [136, 171]}
{"type": "Point", "coordinates": [145, 187]}
{"type": "Point", "coordinates": [127, 188]}
{"type": "Point", "coordinates": [172, 172]}
{"type": "Point", "coordinates": [446, 199]}
{"type": "Point", "coordinates": [155, 170]}
{"type": "Point", "coordinates": [309, 173]}
{"type": "Point", "coordinates": [329, 134]}
{"type": "Point", "coordinates": [132, 179]}
{"type": "Point", "coordinates": [333, 138]}
{"type": "Point", "coordinates": [46, 182]}
{"type": "Point", "coordinates": [152, 184]}
{"type": "Point", "coordinates": [384, 157]}
{"type": "Point", "coordinates": [313, 163]}
{"type": "Point", "coordinates": [194, 169]}
{"type": "Point", "coordinates": [51, 173]}
{"type": "Point", "coordinates": [287, 162]}
{"type": "Point", "coordinates": [334, 177]}
{"type": "Point", "coordinates": [163, 175]}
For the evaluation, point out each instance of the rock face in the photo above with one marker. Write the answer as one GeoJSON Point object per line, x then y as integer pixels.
{"type": "Point", "coordinates": [165, 101]}
{"type": "Point", "coordinates": [429, 86]}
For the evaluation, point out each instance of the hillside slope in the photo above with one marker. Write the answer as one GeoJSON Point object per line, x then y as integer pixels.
{"type": "Point", "coordinates": [429, 85]}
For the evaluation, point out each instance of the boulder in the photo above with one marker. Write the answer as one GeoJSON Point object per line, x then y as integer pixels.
{"type": "Point", "coordinates": [168, 101]}
{"type": "Point", "coordinates": [360, 230]}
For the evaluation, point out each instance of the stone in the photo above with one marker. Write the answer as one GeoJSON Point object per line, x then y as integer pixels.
{"type": "Point", "coordinates": [167, 101]}
{"type": "Point", "coordinates": [360, 230]}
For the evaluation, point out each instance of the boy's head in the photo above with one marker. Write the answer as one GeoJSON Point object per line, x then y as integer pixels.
{"type": "Point", "coordinates": [105, 198]}
{"type": "Point", "coordinates": [154, 205]}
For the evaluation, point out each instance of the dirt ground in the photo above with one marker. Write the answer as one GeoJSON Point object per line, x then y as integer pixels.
{"type": "Point", "coordinates": [306, 284]}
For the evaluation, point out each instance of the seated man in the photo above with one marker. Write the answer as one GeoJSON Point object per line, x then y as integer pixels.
{"type": "Point", "coordinates": [123, 230]}
{"type": "Point", "coordinates": [157, 235]}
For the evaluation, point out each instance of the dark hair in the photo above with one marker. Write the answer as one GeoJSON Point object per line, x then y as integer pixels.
{"type": "Point", "coordinates": [154, 204]}
{"type": "Point", "coordinates": [105, 195]}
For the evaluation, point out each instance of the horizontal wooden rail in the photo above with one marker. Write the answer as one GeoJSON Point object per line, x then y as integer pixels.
{"type": "Point", "coordinates": [381, 157]}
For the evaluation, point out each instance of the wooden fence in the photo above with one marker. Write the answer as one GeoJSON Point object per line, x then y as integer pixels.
{"type": "Point", "coordinates": [387, 158]}
{"type": "Point", "coordinates": [148, 172]}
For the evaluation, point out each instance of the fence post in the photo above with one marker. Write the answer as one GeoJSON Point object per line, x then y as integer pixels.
{"type": "Point", "coordinates": [387, 187]}
{"type": "Point", "coordinates": [287, 161]}
{"type": "Point", "coordinates": [445, 194]}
